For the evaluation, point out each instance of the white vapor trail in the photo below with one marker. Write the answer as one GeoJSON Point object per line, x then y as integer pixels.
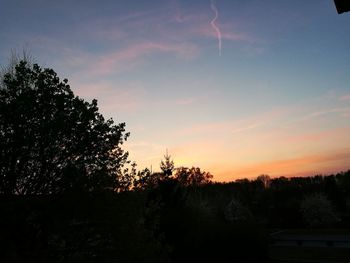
{"type": "Point", "coordinates": [214, 26]}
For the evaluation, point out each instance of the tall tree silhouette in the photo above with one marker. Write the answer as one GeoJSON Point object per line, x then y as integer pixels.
{"type": "Point", "coordinates": [167, 166]}
{"type": "Point", "coordinates": [51, 140]}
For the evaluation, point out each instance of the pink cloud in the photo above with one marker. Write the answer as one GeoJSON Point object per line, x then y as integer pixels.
{"type": "Point", "coordinates": [168, 24]}
{"type": "Point", "coordinates": [315, 114]}
{"type": "Point", "coordinates": [197, 24]}
{"type": "Point", "coordinates": [122, 26]}
{"type": "Point", "coordinates": [236, 126]}
{"type": "Point", "coordinates": [319, 136]}
{"type": "Point", "coordinates": [185, 101]}
{"type": "Point", "coordinates": [137, 36]}
{"type": "Point", "coordinates": [133, 55]}
{"type": "Point", "coordinates": [111, 98]}
{"type": "Point", "coordinates": [345, 97]}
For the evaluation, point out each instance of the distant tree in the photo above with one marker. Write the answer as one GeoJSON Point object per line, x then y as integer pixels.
{"type": "Point", "coordinates": [235, 212]}
{"type": "Point", "coordinates": [265, 180]}
{"type": "Point", "coordinates": [167, 165]}
{"type": "Point", "coordinates": [242, 181]}
{"type": "Point", "coordinates": [51, 139]}
{"type": "Point", "coordinates": [279, 183]}
{"type": "Point", "coordinates": [192, 176]}
{"type": "Point", "coordinates": [145, 179]}
{"type": "Point", "coordinates": [318, 211]}
{"type": "Point", "coordinates": [343, 180]}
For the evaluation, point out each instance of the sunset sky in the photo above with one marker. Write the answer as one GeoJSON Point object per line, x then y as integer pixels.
{"type": "Point", "coordinates": [238, 88]}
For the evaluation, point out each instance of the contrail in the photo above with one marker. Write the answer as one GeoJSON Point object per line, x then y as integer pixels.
{"type": "Point", "coordinates": [212, 22]}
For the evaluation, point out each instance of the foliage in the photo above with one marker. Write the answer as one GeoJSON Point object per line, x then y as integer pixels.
{"type": "Point", "coordinates": [265, 180]}
{"type": "Point", "coordinates": [52, 140]}
{"type": "Point", "coordinates": [318, 211]}
{"type": "Point", "coordinates": [192, 176]}
{"type": "Point", "coordinates": [167, 166]}
{"type": "Point", "coordinates": [236, 212]}
{"type": "Point", "coordinates": [145, 179]}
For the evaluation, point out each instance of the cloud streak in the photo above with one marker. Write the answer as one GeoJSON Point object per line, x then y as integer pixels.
{"type": "Point", "coordinates": [112, 98]}
{"type": "Point", "coordinates": [236, 126]}
{"type": "Point", "coordinates": [133, 55]}
{"type": "Point", "coordinates": [345, 97]}
{"type": "Point", "coordinates": [214, 26]}
{"type": "Point", "coordinates": [343, 110]}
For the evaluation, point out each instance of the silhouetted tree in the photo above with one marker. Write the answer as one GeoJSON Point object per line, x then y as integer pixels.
{"type": "Point", "coordinates": [343, 180]}
{"type": "Point", "coordinates": [167, 166]}
{"type": "Point", "coordinates": [51, 140]}
{"type": "Point", "coordinates": [192, 176]}
{"type": "Point", "coordinates": [236, 212]}
{"type": "Point", "coordinates": [126, 178]}
{"type": "Point", "coordinates": [145, 179]}
{"type": "Point", "coordinates": [265, 180]}
{"type": "Point", "coordinates": [318, 211]}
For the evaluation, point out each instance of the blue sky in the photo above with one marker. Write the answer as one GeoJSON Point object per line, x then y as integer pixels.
{"type": "Point", "coordinates": [275, 100]}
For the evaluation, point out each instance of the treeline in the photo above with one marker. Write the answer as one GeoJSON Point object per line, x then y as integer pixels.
{"type": "Point", "coordinates": [315, 201]}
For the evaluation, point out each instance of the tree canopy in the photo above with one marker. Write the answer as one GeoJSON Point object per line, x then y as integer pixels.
{"type": "Point", "coordinates": [52, 140]}
{"type": "Point", "coordinates": [192, 176]}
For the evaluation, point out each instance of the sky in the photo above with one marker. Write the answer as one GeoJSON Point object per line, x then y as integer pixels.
{"type": "Point", "coordinates": [237, 88]}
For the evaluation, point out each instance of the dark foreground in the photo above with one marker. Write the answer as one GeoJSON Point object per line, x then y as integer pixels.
{"type": "Point", "coordinates": [129, 227]}
{"type": "Point", "coordinates": [170, 223]}
{"type": "Point", "coordinates": [310, 245]}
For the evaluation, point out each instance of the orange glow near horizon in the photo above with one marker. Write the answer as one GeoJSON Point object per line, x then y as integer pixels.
{"type": "Point", "coordinates": [246, 149]}
{"type": "Point", "coordinates": [305, 166]}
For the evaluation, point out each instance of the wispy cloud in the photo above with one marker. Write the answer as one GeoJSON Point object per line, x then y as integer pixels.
{"type": "Point", "coordinates": [186, 101]}
{"type": "Point", "coordinates": [345, 97]}
{"type": "Point", "coordinates": [319, 113]}
{"type": "Point", "coordinates": [133, 55]}
{"type": "Point", "coordinates": [237, 125]}
{"type": "Point", "coordinates": [130, 40]}
{"type": "Point", "coordinates": [248, 127]}
{"type": "Point", "coordinates": [113, 61]}
{"type": "Point", "coordinates": [126, 97]}
{"type": "Point", "coordinates": [182, 26]}
{"type": "Point", "coordinates": [321, 136]}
